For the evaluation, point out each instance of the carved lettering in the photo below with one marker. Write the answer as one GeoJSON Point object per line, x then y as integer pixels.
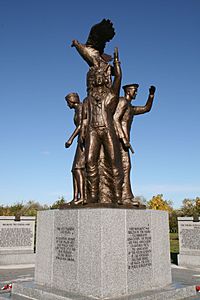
{"type": "Point", "coordinates": [139, 247]}
{"type": "Point", "coordinates": [16, 236]}
{"type": "Point", "coordinates": [65, 243]}
{"type": "Point", "coordinates": [190, 236]}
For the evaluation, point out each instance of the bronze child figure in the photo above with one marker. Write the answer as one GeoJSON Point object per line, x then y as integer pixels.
{"type": "Point", "coordinates": [78, 167]}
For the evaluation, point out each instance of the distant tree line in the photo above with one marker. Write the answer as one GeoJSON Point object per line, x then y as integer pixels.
{"type": "Point", "coordinates": [190, 208]}
{"type": "Point", "coordinates": [29, 208]}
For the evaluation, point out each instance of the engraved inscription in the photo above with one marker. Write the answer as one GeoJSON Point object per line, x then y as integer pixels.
{"type": "Point", "coordinates": [190, 236]}
{"type": "Point", "coordinates": [139, 247]}
{"type": "Point", "coordinates": [16, 236]}
{"type": "Point", "coordinates": [65, 243]}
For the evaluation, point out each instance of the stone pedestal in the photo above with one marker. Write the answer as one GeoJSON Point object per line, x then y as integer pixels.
{"type": "Point", "coordinates": [189, 241]}
{"type": "Point", "coordinates": [17, 240]}
{"type": "Point", "coordinates": [103, 252]}
{"type": "Point", "coordinates": [100, 253]}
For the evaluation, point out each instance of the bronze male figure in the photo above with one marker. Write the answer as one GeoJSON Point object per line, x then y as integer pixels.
{"type": "Point", "coordinates": [99, 108]}
{"type": "Point", "coordinates": [123, 118]}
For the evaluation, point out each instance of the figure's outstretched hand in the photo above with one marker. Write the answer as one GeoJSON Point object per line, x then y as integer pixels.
{"type": "Point", "coordinates": [152, 90]}
{"type": "Point", "coordinates": [68, 144]}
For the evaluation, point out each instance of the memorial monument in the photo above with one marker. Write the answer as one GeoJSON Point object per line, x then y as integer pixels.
{"type": "Point", "coordinates": [103, 244]}
{"type": "Point", "coordinates": [102, 157]}
{"type": "Point", "coordinates": [189, 241]}
{"type": "Point", "coordinates": [17, 238]}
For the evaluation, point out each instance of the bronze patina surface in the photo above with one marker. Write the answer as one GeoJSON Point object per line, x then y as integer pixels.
{"type": "Point", "coordinates": [101, 167]}
{"type": "Point", "coordinates": [72, 205]}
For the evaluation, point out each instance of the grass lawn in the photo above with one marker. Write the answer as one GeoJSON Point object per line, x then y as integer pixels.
{"type": "Point", "coordinates": [174, 243]}
{"type": "Point", "coordinates": [174, 247]}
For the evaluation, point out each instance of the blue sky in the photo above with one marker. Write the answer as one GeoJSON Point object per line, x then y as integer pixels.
{"type": "Point", "coordinates": [158, 44]}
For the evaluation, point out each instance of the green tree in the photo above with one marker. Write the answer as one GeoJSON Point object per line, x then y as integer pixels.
{"type": "Point", "coordinates": [58, 203]}
{"type": "Point", "coordinates": [173, 220]}
{"type": "Point", "coordinates": [31, 208]}
{"type": "Point", "coordinates": [158, 203]}
{"type": "Point", "coordinates": [5, 211]}
{"type": "Point", "coordinates": [190, 207]}
{"type": "Point", "coordinates": [16, 208]}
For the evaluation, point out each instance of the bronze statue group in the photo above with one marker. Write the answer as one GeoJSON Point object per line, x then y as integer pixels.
{"type": "Point", "coordinates": [101, 167]}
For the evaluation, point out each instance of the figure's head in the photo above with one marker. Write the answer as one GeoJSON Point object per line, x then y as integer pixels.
{"type": "Point", "coordinates": [99, 76]}
{"type": "Point", "coordinates": [72, 100]}
{"type": "Point", "coordinates": [130, 90]}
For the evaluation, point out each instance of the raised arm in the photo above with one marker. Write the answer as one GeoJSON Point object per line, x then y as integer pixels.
{"type": "Point", "coordinates": [117, 73]}
{"type": "Point", "coordinates": [137, 110]}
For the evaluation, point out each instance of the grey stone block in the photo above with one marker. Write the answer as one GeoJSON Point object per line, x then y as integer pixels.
{"type": "Point", "coordinates": [65, 272]}
{"type": "Point", "coordinates": [189, 260]}
{"type": "Point", "coordinates": [139, 278]}
{"type": "Point", "coordinates": [189, 242]}
{"type": "Point", "coordinates": [160, 248]}
{"type": "Point", "coordinates": [103, 252]}
{"type": "Point", "coordinates": [113, 253]}
{"type": "Point", "coordinates": [16, 259]}
{"type": "Point", "coordinates": [44, 246]}
{"type": "Point", "coordinates": [35, 292]}
{"type": "Point", "coordinates": [90, 251]}
{"type": "Point", "coordinates": [17, 240]}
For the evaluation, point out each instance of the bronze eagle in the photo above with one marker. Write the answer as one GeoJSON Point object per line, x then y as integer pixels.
{"type": "Point", "coordinates": [93, 50]}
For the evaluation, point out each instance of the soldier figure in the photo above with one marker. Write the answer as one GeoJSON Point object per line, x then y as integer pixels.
{"type": "Point", "coordinates": [123, 118]}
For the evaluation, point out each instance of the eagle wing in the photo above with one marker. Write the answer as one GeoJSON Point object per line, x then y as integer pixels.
{"type": "Point", "coordinates": [100, 34]}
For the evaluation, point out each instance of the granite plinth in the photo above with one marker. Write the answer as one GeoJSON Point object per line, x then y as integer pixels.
{"type": "Point", "coordinates": [186, 260]}
{"type": "Point", "coordinates": [17, 258]}
{"type": "Point", "coordinates": [32, 291]}
{"type": "Point", "coordinates": [189, 241]}
{"type": "Point", "coordinates": [103, 252]}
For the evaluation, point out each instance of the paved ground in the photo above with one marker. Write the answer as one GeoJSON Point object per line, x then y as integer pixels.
{"type": "Point", "coordinates": [15, 274]}
{"type": "Point", "coordinates": [186, 276]}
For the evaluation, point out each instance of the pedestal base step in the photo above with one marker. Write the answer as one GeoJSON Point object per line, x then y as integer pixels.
{"type": "Point", "coordinates": [29, 290]}
{"type": "Point", "coordinates": [17, 258]}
